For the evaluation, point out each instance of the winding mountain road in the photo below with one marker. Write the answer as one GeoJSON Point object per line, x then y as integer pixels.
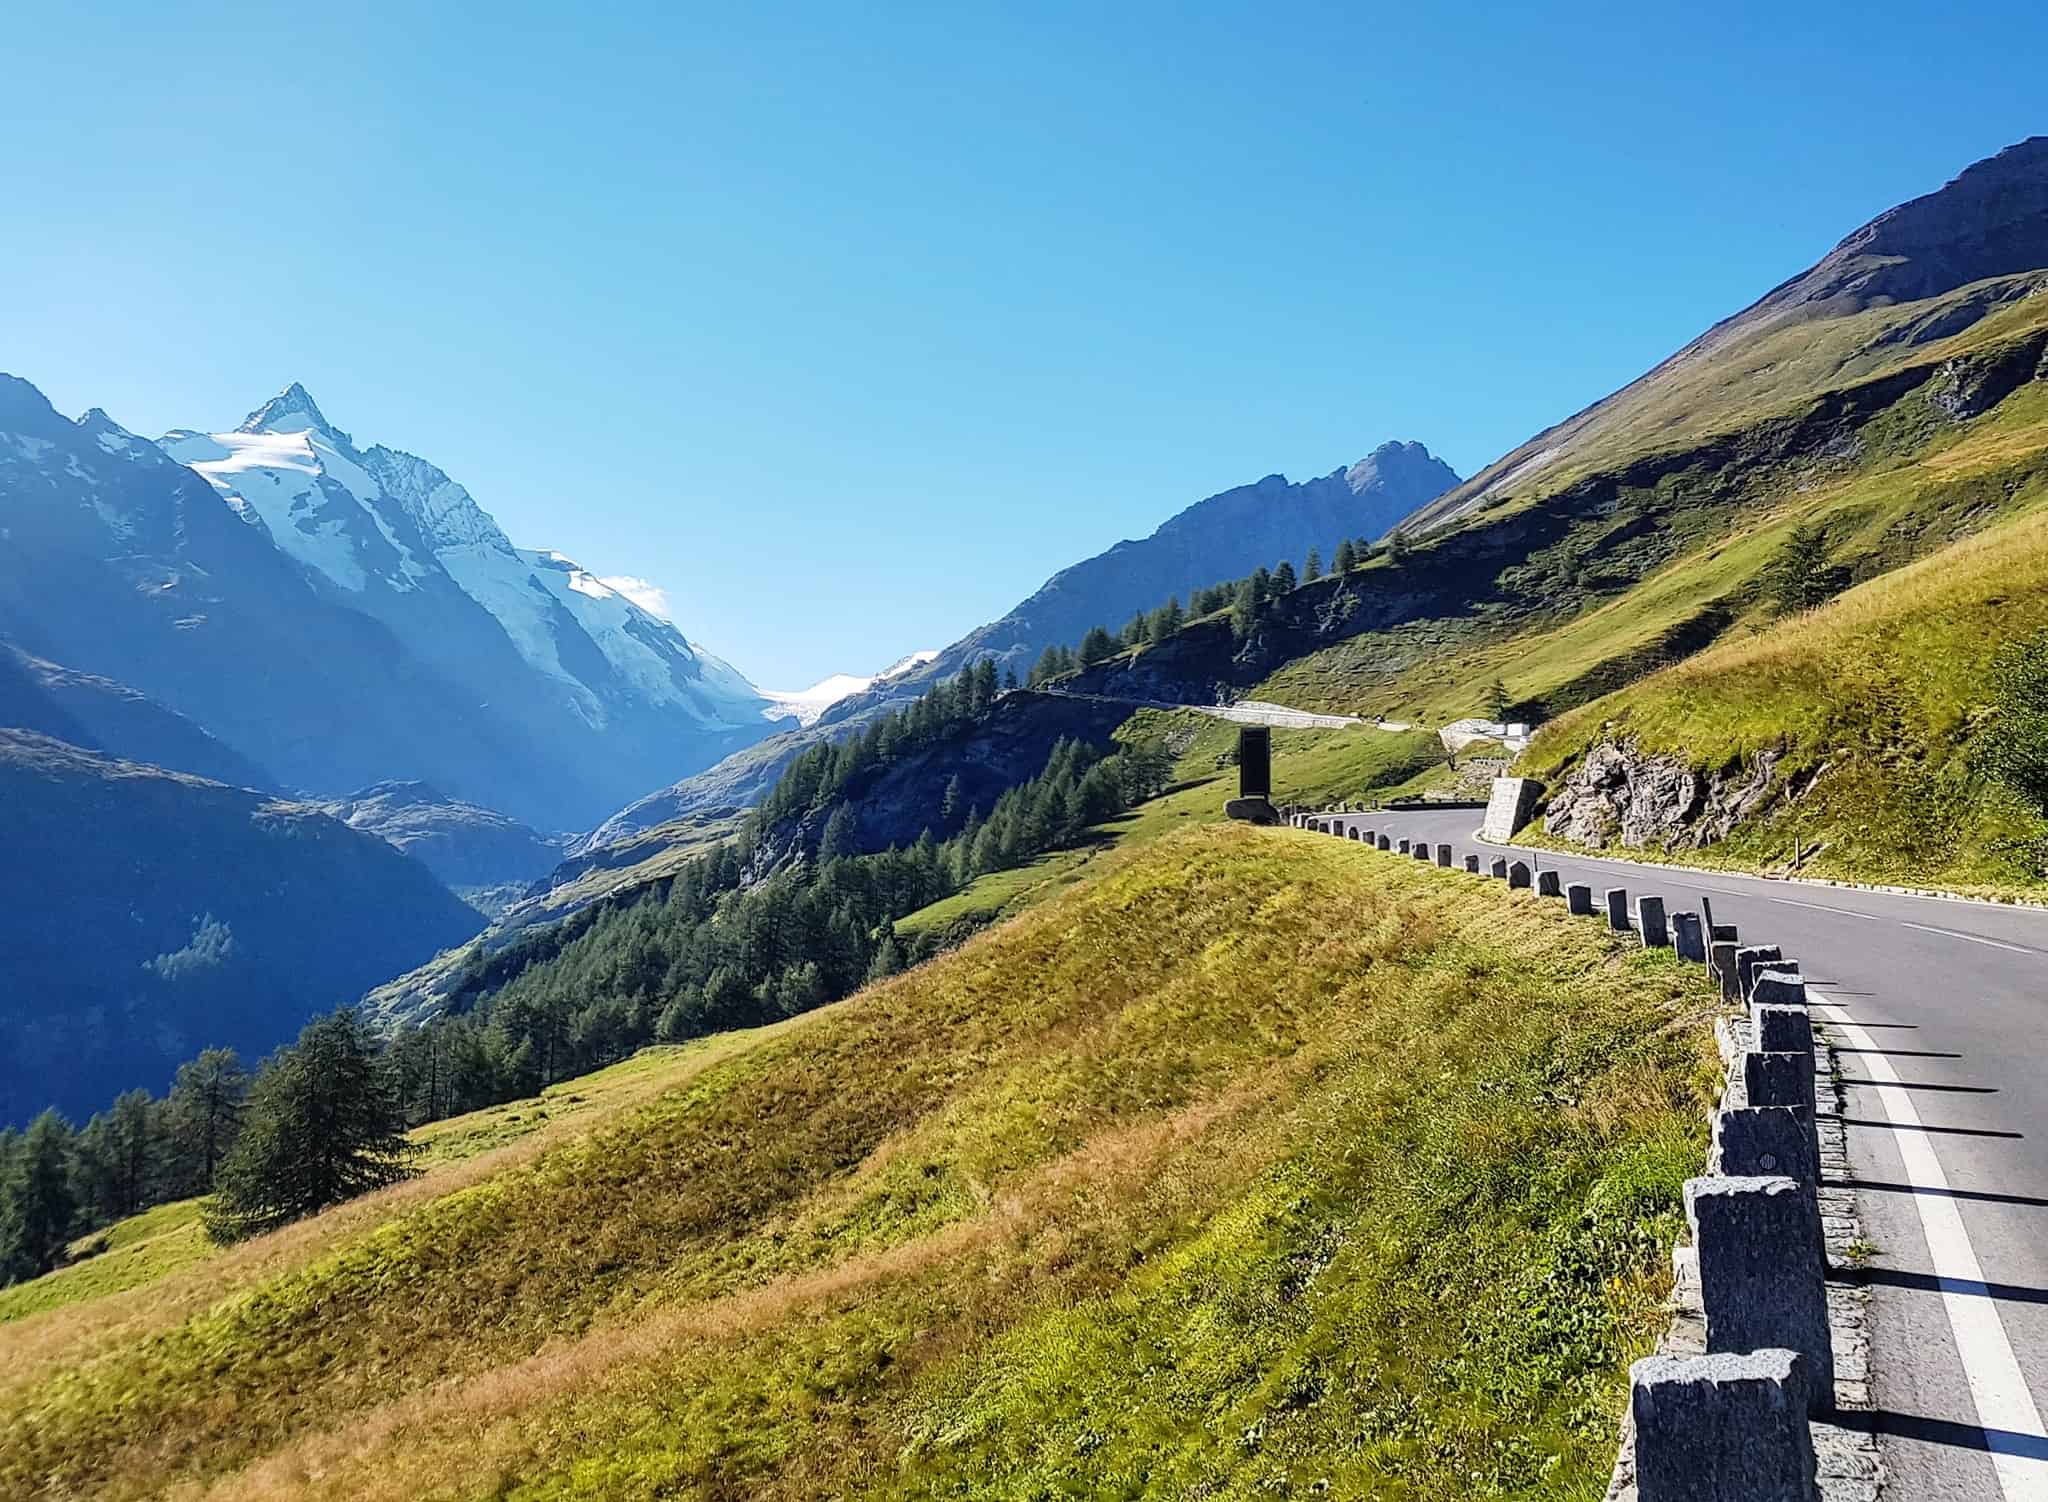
{"type": "Point", "coordinates": [1939, 1010]}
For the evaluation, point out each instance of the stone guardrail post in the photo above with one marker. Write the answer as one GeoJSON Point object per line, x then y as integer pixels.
{"type": "Point", "coordinates": [1499, 869]}
{"type": "Point", "coordinates": [1758, 1141]}
{"type": "Point", "coordinates": [1617, 909]}
{"type": "Point", "coordinates": [1578, 899]}
{"type": "Point", "coordinates": [1688, 937]}
{"type": "Point", "coordinates": [1763, 1275]}
{"type": "Point", "coordinates": [1778, 984]}
{"type": "Point", "coordinates": [1518, 874]}
{"type": "Point", "coordinates": [1371, 837]}
{"type": "Point", "coordinates": [1777, 1079]}
{"type": "Point", "coordinates": [1722, 964]}
{"type": "Point", "coordinates": [1421, 851]}
{"type": "Point", "coordinates": [1782, 1028]}
{"type": "Point", "coordinates": [1549, 884]}
{"type": "Point", "coordinates": [1650, 922]}
{"type": "Point", "coordinates": [1401, 846]}
{"type": "Point", "coordinates": [1472, 864]}
{"type": "Point", "coordinates": [1384, 843]}
{"type": "Point", "coordinates": [1747, 961]}
{"type": "Point", "coordinates": [1443, 856]}
{"type": "Point", "coordinates": [1722, 1428]}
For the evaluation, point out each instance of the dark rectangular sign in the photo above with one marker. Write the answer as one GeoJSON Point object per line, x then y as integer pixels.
{"type": "Point", "coordinates": [1254, 762]}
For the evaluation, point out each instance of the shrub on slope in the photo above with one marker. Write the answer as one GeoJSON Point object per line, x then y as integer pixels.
{"type": "Point", "coordinates": [1254, 1157]}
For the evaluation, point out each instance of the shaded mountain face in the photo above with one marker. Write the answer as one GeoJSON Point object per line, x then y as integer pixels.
{"type": "Point", "coordinates": [99, 714]}
{"type": "Point", "coordinates": [468, 847]}
{"type": "Point", "coordinates": [153, 914]}
{"type": "Point", "coordinates": [1923, 272]}
{"type": "Point", "coordinates": [343, 616]}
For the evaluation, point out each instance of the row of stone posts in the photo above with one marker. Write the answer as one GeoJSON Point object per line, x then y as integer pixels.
{"type": "Point", "coordinates": [1732, 1423]}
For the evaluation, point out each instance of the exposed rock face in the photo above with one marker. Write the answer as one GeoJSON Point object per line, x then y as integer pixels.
{"type": "Point", "coordinates": [1618, 796]}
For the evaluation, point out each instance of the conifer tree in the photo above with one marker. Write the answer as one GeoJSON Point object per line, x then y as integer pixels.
{"type": "Point", "coordinates": [1283, 578]}
{"type": "Point", "coordinates": [1010, 684]}
{"type": "Point", "coordinates": [837, 840]}
{"type": "Point", "coordinates": [1347, 557]}
{"type": "Point", "coordinates": [888, 958]}
{"type": "Point", "coordinates": [1047, 666]}
{"type": "Point", "coordinates": [37, 1209]}
{"type": "Point", "coordinates": [1097, 646]}
{"type": "Point", "coordinates": [324, 1125]}
{"type": "Point", "coordinates": [206, 1114]}
{"type": "Point", "coordinates": [1312, 567]}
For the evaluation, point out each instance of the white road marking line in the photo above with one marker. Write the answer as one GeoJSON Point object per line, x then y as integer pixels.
{"type": "Point", "coordinates": [1998, 1388]}
{"type": "Point", "coordinates": [1949, 933]}
{"type": "Point", "coordinates": [1822, 907]}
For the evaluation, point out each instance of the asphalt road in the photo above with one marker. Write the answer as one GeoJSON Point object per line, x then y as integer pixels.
{"type": "Point", "coordinates": [1938, 1009]}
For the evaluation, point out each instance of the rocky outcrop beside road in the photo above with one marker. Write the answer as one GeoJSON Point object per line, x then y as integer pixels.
{"type": "Point", "coordinates": [1620, 796]}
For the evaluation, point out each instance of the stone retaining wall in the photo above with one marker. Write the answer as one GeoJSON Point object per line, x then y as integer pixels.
{"type": "Point", "coordinates": [1765, 1351]}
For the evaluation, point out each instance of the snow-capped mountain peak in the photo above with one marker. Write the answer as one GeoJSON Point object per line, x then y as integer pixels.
{"type": "Point", "coordinates": [292, 410]}
{"type": "Point", "coordinates": [410, 545]}
{"type": "Point", "coordinates": [806, 705]}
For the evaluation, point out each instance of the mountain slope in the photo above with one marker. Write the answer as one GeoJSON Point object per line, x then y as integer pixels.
{"type": "Point", "coordinates": [1926, 271]}
{"type": "Point", "coordinates": [1200, 1172]}
{"type": "Point", "coordinates": [124, 564]}
{"type": "Point", "coordinates": [1864, 729]}
{"type": "Point", "coordinates": [806, 705]}
{"type": "Point", "coordinates": [152, 914]}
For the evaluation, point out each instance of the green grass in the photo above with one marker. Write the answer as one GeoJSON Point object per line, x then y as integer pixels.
{"type": "Point", "coordinates": [131, 1253]}
{"type": "Point", "coordinates": [1880, 697]}
{"type": "Point", "coordinates": [1309, 766]}
{"type": "Point", "coordinates": [1251, 1162]}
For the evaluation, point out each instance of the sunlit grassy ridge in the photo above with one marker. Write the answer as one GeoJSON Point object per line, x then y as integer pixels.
{"type": "Point", "coordinates": [1918, 483]}
{"type": "Point", "coordinates": [1254, 1159]}
{"type": "Point", "coordinates": [1884, 690]}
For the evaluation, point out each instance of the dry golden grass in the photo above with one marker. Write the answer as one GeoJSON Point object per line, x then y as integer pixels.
{"type": "Point", "coordinates": [73, 1334]}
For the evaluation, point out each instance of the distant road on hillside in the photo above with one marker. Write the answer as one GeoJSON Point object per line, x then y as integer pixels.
{"type": "Point", "coordinates": [1939, 1009]}
{"type": "Point", "coordinates": [1253, 712]}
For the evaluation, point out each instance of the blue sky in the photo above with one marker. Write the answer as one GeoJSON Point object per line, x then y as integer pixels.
{"type": "Point", "coordinates": [846, 325]}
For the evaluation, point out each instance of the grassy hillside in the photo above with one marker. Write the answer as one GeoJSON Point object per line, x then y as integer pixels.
{"type": "Point", "coordinates": [1668, 564]}
{"type": "Point", "coordinates": [1309, 766]}
{"type": "Point", "coordinates": [1254, 1162]}
{"type": "Point", "coordinates": [1882, 693]}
